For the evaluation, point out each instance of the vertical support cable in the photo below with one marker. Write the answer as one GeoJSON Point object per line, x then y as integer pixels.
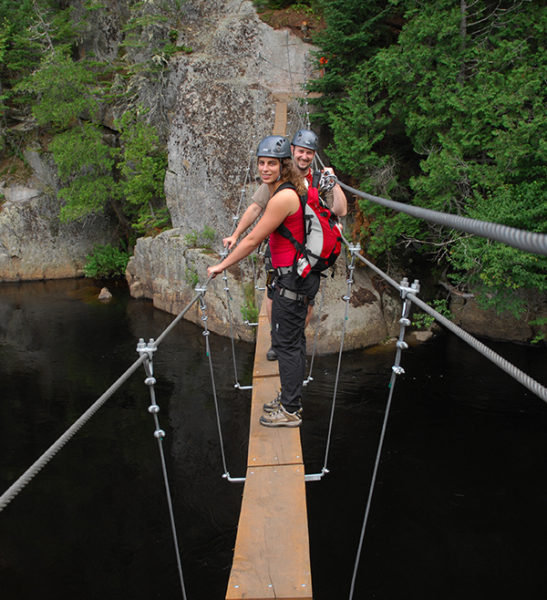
{"type": "Point", "coordinates": [396, 369]}
{"type": "Point", "coordinates": [223, 255]}
{"type": "Point", "coordinates": [354, 249]}
{"type": "Point", "coordinates": [206, 333]}
{"type": "Point", "coordinates": [315, 336]}
{"type": "Point", "coordinates": [147, 351]}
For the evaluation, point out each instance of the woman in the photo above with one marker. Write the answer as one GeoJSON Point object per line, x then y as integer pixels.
{"type": "Point", "coordinates": [292, 293]}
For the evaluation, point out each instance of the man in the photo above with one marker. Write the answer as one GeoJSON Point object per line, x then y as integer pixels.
{"type": "Point", "coordinates": [292, 292]}
{"type": "Point", "coordinates": [304, 145]}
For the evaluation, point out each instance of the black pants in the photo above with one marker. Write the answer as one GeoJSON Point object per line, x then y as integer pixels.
{"type": "Point", "coordinates": [288, 336]}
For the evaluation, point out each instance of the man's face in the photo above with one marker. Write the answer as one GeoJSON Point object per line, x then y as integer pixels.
{"type": "Point", "coordinates": [302, 158]}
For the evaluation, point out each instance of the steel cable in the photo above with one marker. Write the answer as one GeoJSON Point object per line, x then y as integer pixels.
{"type": "Point", "coordinates": [518, 238]}
{"type": "Point", "coordinates": [505, 365]}
{"type": "Point", "coordinates": [42, 461]}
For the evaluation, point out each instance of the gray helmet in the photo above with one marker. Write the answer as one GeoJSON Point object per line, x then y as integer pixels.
{"type": "Point", "coordinates": [274, 146]}
{"type": "Point", "coordinates": [305, 138]}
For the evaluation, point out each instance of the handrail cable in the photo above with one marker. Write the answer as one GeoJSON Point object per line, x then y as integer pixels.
{"type": "Point", "coordinates": [505, 365]}
{"type": "Point", "coordinates": [502, 363]}
{"type": "Point", "coordinates": [39, 464]}
{"type": "Point", "coordinates": [518, 238]}
{"type": "Point", "coordinates": [396, 370]}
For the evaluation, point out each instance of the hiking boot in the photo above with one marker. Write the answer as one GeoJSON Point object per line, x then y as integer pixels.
{"type": "Point", "coordinates": [271, 354]}
{"type": "Point", "coordinates": [273, 405]}
{"type": "Point", "coordinates": [281, 418]}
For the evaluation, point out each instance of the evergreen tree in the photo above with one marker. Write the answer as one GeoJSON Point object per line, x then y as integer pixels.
{"type": "Point", "coordinates": [451, 117]}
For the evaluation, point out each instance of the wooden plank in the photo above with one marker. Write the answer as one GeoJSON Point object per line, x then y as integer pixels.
{"type": "Point", "coordinates": [270, 445]}
{"type": "Point", "coordinates": [262, 366]}
{"type": "Point", "coordinates": [280, 122]}
{"type": "Point", "coordinates": [271, 557]}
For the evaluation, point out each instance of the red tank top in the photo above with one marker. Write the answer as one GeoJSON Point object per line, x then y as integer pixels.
{"type": "Point", "coordinates": [282, 250]}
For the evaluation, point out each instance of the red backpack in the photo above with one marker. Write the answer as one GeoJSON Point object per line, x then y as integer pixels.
{"type": "Point", "coordinates": [322, 235]}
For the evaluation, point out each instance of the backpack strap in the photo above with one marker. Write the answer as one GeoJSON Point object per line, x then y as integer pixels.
{"type": "Point", "coordinates": [286, 185]}
{"type": "Point", "coordinates": [286, 233]}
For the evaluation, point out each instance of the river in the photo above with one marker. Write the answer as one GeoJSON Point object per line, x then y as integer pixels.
{"type": "Point", "coordinates": [459, 508]}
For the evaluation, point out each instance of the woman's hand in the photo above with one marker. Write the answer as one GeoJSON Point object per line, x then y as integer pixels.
{"type": "Point", "coordinates": [214, 270]}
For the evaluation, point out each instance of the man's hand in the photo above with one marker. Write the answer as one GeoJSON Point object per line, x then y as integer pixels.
{"type": "Point", "coordinates": [230, 241]}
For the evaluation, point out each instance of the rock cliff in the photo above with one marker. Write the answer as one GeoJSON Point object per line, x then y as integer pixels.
{"type": "Point", "coordinates": [211, 105]}
{"type": "Point", "coordinates": [34, 244]}
{"type": "Point", "coordinates": [225, 104]}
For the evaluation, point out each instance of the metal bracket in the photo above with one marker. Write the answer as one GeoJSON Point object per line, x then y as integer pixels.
{"type": "Point", "coordinates": [406, 289]}
{"type": "Point", "coordinates": [149, 348]}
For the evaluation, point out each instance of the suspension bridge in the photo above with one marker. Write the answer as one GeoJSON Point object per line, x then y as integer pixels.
{"type": "Point", "coordinates": [271, 555]}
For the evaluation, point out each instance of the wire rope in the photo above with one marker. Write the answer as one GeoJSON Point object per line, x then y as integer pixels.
{"type": "Point", "coordinates": [518, 238]}
{"type": "Point", "coordinates": [206, 333]}
{"type": "Point", "coordinates": [309, 378]}
{"type": "Point", "coordinates": [39, 464]}
{"type": "Point", "coordinates": [527, 381]}
{"type": "Point", "coordinates": [354, 252]}
{"type": "Point", "coordinates": [395, 371]}
{"type": "Point", "coordinates": [148, 352]}
{"type": "Point", "coordinates": [505, 365]}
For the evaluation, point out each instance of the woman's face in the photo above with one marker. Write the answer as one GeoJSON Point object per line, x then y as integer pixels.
{"type": "Point", "coordinates": [269, 169]}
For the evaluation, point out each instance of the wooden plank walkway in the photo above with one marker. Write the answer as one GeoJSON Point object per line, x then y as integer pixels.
{"type": "Point", "coordinates": [271, 556]}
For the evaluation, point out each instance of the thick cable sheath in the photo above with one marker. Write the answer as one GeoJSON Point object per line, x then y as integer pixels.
{"type": "Point", "coordinates": [518, 238]}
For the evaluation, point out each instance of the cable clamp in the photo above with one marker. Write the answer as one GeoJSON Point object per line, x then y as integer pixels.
{"type": "Point", "coordinates": [402, 344]}
{"type": "Point", "coordinates": [148, 349]}
{"type": "Point", "coordinates": [405, 288]}
{"type": "Point", "coordinates": [398, 370]}
{"type": "Point", "coordinates": [404, 321]}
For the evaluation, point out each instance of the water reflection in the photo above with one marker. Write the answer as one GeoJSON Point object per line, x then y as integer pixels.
{"type": "Point", "coordinates": [460, 500]}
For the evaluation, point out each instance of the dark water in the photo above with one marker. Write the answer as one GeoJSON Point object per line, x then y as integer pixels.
{"type": "Point", "coordinates": [460, 505]}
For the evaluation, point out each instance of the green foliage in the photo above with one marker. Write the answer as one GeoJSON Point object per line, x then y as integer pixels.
{"type": "Point", "coordinates": [249, 312]}
{"type": "Point", "coordinates": [67, 96]}
{"type": "Point", "coordinates": [249, 309]}
{"type": "Point", "coordinates": [142, 167]}
{"type": "Point", "coordinates": [191, 276]}
{"type": "Point", "coordinates": [280, 4]}
{"type": "Point", "coordinates": [540, 335]}
{"type": "Point", "coordinates": [355, 30]}
{"type": "Point", "coordinates": [191, 239]}
{"type": "Point", "coordinates": [65, 90]}
{"type": "Point", "coordinates": [208, 235]}
{"type": "Point", "coordinates": [202, 239]}
{"type": "Point", "coordinates": [423, 321]}
{"type": "Point", "coordinates": [449, 116]}
{"type": "Point", "coordinates": [85, 164]}
{"type": "Point", "coordinates": [106, 262]}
